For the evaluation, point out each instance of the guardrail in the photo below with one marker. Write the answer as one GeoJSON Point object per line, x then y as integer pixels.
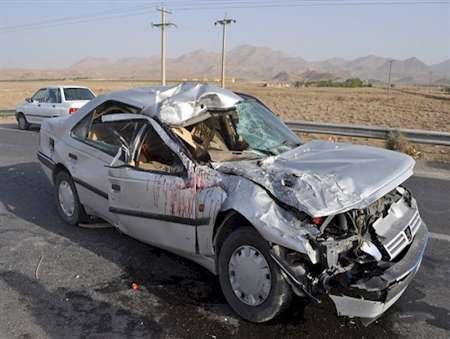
{"type": "Point", "coordinates": [7, 112]}
{"type": "Point", "coordinates": [413, 135]}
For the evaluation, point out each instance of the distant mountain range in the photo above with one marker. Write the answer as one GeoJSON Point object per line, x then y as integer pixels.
{"type": "Point", "coordinates": [245, 63]}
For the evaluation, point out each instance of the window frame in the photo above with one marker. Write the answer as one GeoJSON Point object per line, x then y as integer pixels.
{"type": "Point", "coordinates": [83, 88]}
{"type": "Point", "coordinates": [90, 115]}
{"type": "Point", "coordinates": [137, 151]}
{"type": "Point", "coordinates": [148, 123]}
{"type": "Point", "coordinates": [99, 144]}
{"type": "Point", "coordinates": [43, 89]}
{"type": "Point", "coordinates": [58, 95]}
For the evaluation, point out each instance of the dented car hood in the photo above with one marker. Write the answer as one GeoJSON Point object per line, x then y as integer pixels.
{"type": "Point", "coordinates": [323, 178]}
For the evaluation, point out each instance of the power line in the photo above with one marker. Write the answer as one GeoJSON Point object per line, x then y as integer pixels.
{"type": "Point", "coordinates": [238, 2]}
{"type": "Point", "coordinates": [162, 26]}
{"type": "Point", "coordinates": [69, 19]}
{"type": "Point", "coordinates": [118, 16]}
{"type": "Point", "coordinates": [313, 4]}
{"type": "Point", "coordinates": [113, 14]}
{"type": "Point", "coordinates": [172, 3]}
{"type": "Point", "coordinates": [209, 5]}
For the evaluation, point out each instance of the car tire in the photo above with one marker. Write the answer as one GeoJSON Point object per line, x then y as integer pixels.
{"type": "Point", "coordinates": [22, 122]}
{"type": "Point", "coordinates": [237, 252]}
{"type": "Point", "coordinates": [68, 203]}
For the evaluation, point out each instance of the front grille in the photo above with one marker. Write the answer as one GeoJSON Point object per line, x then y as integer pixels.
{"type": "Point", "coordinates": [404, 238]}
{"type": "Point", "coordinates": [415, 223]}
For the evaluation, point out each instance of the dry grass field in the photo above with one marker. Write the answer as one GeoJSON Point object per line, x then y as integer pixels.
{"type": "Point", "coordinates": [365, 106]}
{"type": "Point", "coordinates": [417, 109]}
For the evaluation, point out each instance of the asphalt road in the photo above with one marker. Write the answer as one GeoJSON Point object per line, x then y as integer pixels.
{"type": "Point", "coordinates": [82, 288]}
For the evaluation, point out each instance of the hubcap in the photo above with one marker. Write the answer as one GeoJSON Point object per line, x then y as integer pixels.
{"type": "Point", "coordinates": [66, 198]}
{"type": "Point", "coordinates": [249, 275]}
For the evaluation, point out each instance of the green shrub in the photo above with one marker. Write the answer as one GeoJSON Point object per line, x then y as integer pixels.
{"type": "Point", "coordinates": [349, 83]}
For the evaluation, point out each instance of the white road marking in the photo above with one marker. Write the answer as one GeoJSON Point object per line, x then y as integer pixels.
{"type": "Point", "coordinates": [439, 236]}
{"type": "Point", "coordinates": [433, 174]}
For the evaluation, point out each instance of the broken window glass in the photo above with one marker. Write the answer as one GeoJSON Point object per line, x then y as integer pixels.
{"type": "Point", "coordinates": [262, 130]}
{"type": "Point", "coordinates": [107, 136]}
{"type": "Point", "coordinates": [249, 132]}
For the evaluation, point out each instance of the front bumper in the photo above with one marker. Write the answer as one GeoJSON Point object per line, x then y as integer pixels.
{"type": "Point", "coordinates": [368, 298]}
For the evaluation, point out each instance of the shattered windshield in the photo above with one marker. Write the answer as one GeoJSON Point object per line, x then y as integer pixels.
{"type": "Point", "coordinates": [250, 131]}
{"type": "Point", "coordinates": [262, 130]}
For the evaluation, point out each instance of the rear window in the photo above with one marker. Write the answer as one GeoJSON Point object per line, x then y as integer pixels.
{"type": "Point", "coordinates": [73, 94]}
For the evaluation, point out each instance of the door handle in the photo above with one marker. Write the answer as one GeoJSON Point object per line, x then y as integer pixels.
{"type": "Point", "coordinates": [73, 156]}
{"type": "Point", "coordinates": [115, 187]}
{"type": "Point", "coordinates": [53, 106]}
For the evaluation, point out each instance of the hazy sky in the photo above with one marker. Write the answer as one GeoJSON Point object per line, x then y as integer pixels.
{"type": "Point", "coordinates": [297, 28]}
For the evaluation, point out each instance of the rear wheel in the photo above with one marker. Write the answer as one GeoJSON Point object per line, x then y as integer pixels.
{"type": "Point", "coordinates": [22, 122]}
{"type": "Point", "coordinates": [251, 281]}
{"type": "Point", "coordinates": [68, 203]}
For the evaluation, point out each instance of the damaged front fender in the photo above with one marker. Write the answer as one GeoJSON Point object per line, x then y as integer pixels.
{"type": "Point", "coordinates": [275, 224]}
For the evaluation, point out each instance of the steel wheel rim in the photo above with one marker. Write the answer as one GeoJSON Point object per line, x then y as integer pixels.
{"type": "Point", "coordinates": [66, 198]}
{"type": "Point", "coordinates": [249, 275]}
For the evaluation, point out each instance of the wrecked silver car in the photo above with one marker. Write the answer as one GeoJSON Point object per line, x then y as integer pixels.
{"type": "Point", "coordinates": [214, 176]}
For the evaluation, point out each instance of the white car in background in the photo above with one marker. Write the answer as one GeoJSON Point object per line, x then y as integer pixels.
{"type": "Point", "coordinates": [50, 102]}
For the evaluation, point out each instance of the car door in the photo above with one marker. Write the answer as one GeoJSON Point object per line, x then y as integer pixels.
{"type": "Point", "coordinates": [51, 106]}
{"type": "Point", "coordinates": [158, 200]}
{"type": "Point", "coordinates": [33, 110]}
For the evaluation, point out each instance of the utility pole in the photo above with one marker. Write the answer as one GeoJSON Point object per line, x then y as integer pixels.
{"type": "Point", "coordinates": [224, 22]}
{"type": "Point", "coordinates": [162, 25]}
{"type": "Point", "coordinates": [430, 82]}
{"type": "Point", "coordinates": [389, 78]}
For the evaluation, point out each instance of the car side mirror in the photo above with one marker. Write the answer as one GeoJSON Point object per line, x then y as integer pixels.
{"type": "Point", "coordinates": [28, 100]}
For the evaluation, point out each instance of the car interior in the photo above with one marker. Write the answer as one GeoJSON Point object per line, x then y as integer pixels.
{"type": "Point", "coordinates": [54, 96]}
{"type": "Point", "coordinates": [111, 132]}
{"type": "Point", "coordinates": [40, 96]}
{"type": "Point", "coordinates": [152, 154]}
{"type": "Point", "coordinates": [107, 136]}
{"type": "Point", "coordinates": [214, 139]}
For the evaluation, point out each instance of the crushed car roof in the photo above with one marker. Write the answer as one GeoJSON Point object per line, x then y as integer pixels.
{"type": "Point", "coordinates": [183, 104]}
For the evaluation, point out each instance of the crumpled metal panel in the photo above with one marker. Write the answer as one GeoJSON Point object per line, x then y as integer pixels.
{"type": "Point", "coordinates": [323, 178]}
{"type": "Point", "coordinates": [178, 105]}
{"type": "Point", "coordinates": [274, 223]}
{"type": "Point", "coordinates": [189, 102]}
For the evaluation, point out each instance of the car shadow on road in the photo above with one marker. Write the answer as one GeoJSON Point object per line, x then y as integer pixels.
{"type": "Point", "coordinates": [57, 311]}
{"type": "Point", "coordinates": [189, 296]}
{"type": "Point", "coordinates": [13, 126]}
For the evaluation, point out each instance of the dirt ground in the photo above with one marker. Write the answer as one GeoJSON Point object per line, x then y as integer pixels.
{"type": "Point", "coordinates": [414, 108]}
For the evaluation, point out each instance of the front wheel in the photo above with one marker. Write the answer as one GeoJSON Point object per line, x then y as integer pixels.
{"type": "Point", "coordinates": [250, 279]}
{"type": "Point", "coordinates": [22, 122]}
{"type": "Point", "coordinates": [68, 203]}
